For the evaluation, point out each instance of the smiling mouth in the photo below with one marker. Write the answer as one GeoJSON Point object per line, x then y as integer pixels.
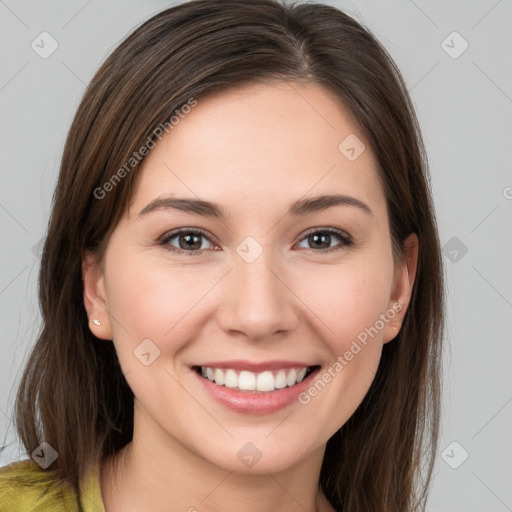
{"type": "Point", "coordinates": [252, 382]}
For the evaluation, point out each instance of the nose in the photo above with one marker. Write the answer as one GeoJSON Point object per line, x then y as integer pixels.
{"type": "Point", "coordinates": [258, 302]}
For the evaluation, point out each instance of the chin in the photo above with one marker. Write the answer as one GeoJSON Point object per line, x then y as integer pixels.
{"type": "Point", "coordinates": [258, 456]}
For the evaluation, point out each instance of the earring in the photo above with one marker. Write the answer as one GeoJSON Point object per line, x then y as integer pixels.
{"type": "Point", "coordinates": [96, 322]}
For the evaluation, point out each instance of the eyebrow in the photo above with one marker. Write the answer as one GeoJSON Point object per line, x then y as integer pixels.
{"type": "Point", "coordinates": [208, 209]}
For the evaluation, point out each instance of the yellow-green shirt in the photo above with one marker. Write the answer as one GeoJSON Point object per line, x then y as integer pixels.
{"type": "Point", "coordinates": [26, 487]}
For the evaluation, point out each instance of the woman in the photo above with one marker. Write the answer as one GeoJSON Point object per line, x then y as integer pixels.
{"type": "Point", "coordinates": [241, 284]}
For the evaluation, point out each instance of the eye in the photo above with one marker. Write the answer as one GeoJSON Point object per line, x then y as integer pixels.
{"type": "Point", "coordinates": [189, 241]}
{"type": "Point", "coordinates": [322, 238]}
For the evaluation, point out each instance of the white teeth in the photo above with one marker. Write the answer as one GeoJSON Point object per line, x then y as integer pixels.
{"type": "Point", "coordinates": [247, 381]}
{"type": "Point", "coordinates": [231, 379]}
{"type": "Point", "coordinates": [250, 381]}
{"type": "Point", "coordinates": [265, 382]}
{"type": "Point", "coordinates": [280, 380]}
{"type": "Point", "coordinates": [301, 374]}
{"type": "Point", "coordinates": [292, 377]}
{"type": "Point", "coordinates": [219, 376]}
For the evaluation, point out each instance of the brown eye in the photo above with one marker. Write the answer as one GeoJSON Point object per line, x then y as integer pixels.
{"type": "Point", "coordinates": [322, 240]}
{"type": "Point", "coordinates": [190, 241]}
{"type": "Point", "coordinates": [187, 241]}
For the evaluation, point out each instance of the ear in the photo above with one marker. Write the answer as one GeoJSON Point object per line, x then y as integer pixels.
{"type": "Point", "coordinates": [95, 299]}
{"type": "Point", "coordinates": [404, 276]}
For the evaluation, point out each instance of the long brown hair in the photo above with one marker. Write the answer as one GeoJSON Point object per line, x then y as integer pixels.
{"type": "Point", "coordinates": [73, 394]}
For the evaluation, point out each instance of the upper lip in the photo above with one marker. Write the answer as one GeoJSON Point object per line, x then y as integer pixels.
{"type": "Point", "coordinates": [238, 364]}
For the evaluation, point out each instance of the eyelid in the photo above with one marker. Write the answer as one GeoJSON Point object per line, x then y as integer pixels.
{"type": "Point", "coordinates": [336, 231]}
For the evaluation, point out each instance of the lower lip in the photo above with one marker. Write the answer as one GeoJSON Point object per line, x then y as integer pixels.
{"type": "Point", "coordinates": [256, 403]}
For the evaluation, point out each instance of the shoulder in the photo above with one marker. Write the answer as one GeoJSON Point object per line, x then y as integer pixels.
{"type": "Point", "coordinates": [26, 487]}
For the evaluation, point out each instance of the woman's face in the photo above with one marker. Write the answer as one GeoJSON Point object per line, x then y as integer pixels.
{"type": "Point", "coordinates": [271, 282]}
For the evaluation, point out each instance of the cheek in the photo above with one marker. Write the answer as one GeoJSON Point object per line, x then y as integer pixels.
{"type": "Point", "coordinates": [152, 300]}
{"type": "Point", "coordinates": [347, 300]}
{"type": "Point", "coordinates": [348, 311]}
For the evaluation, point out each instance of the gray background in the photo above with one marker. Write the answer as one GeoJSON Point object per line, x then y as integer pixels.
{"type": "Point", "coordinates": [464, 104]}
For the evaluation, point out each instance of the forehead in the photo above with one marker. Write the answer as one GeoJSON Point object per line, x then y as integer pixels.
{"type": "Point", "coordinates": [262, 145]}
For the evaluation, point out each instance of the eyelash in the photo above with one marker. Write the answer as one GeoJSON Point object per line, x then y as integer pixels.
{"type": "Point", "coordinates": [344, 237]}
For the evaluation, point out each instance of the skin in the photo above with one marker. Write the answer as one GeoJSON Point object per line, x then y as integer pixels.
{"type": "Point", "coordinates": [295, 301]}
